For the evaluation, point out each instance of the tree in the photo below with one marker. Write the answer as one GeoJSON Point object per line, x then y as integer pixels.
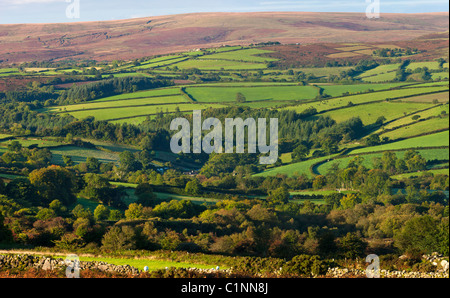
{"type": "Point", "coordinates": [373, 140]}
{"type": "Point", "coordinates": [330, 144]}
{"type": "Point", "coordinates": [45, 214]}
{"type": "Point", "coordinates": [352, 246]}
{"type": "Point", "coordinates": [350, 200]}
{"type": "Point", "coordinates": [380, 120]}
{"type": "Point", "coordinates": [92, 164]}
{"type": "Point", "coordinates": [319, 182]}
{"type": "Point", "coordinates": [15, 146]}
{"type": "Point", "coordinates": [54, 183]}
{"type": "Point", "coordinates": [300, 152]}
{"type": "Point", "coordinates": [5, 233]}
{"type": "Point", "coordinates": [128, 162]}
{"type": "Point", "coordinates": [279, 196]}
{"type": "Point", "coordinates": [22, 191]}
{"type": "Point", "coordinates": [101, 212]}
{"type": "Point", "coordinates": [80, 212]}
{"type": "Point", "coordinates": [389, 161]}
{"type": "Point", "coordinates": [240, 98]}
{"type": "Point", "coordinates": [56, 206]}
{"type": "Point", "coordinates": [119, 238]}
{"type": "Point", "coordinates": [134, 211]}
{"type": "Point", "coordinates": [193, 187]}
{"type": "Point", "coordinates": [419, 233]}
{"type": "Point", "coordinates": [416, 163]}
{"type": "Point", "coordinates": [376, 182]}
{"type": "Point", "coordinates": [145, 194]}
{"type": "Point", "coordinates": [67, 160]}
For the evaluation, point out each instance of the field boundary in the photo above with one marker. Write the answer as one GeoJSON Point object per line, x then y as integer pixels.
{"type": "Point", "coordinates": [314, 166]}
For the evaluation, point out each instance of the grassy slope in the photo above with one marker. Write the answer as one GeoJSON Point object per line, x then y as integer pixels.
{"type": "Point", "coordinates": [217, 94]}
{"type": "Point", "coordinates": [433, 140]}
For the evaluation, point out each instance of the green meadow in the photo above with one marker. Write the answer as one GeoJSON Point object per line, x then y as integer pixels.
{"type": "Point", "coordinates": [418, 128]}
{"type": "Point", "coordinates": [276, 93]}
{"type": "Point", "coordinates": [432, 154]}
{"type": "Point", "coordinates": [92, 105]}
{"type": "Point", "coordinates": [341, 102]}
{"type": "Point", "coordinates": [370, 113]}
{"type": "Point", "coordinates": [247, 55]}
{"type": "Point", "coordinates": [440, 139]}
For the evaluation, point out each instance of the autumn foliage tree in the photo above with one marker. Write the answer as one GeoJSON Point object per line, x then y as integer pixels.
{"type": "Point", "coordinates": [54, 183]}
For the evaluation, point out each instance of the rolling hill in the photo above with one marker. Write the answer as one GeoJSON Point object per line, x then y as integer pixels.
{"type": "Point", "coordinates": [135, 38]}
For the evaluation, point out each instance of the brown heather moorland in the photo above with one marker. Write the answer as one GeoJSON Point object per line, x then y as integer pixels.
{"type": "Point", "coordinates": [135, 38]}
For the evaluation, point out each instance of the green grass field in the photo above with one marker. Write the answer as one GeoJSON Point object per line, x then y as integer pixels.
{"type": "Point", "coordinates": [434, 65]}
{"type": "Point", "coordinates": [340, 102]}
{"type": "Point", "coordinates": [295, 168]}
{"type": "Point", "coordinates": [4, 136]}
{"type": "Point", "coordinates": [226, 94]}
{"type": "Point", "coordinates": [120, 103]}
{"type": "Point", "coordinates": [79, 155]}
{"type": "Point", "coordinates": [319, 71]}
{"type": "Point", "coordinates": [433, 112]}
{"type": "Point", "coordinates": [138, 111]}
{"type": "Point", "coordinates": [41, 143]}
{"type": "Point", "coordinates": [370, 113]}
{"type": "Point", "coordinates": [246, 55]}
{"type": "Point", "coordinates": [441, 97]}
{"type": "Point", "coordinates": [164, 196]}
{"type": "Point", "coordinates": [440, 75]}
{"type": "Point", "coordinates": [142, 94]}
{"type": "Point", "coordinates": [160, 63]}
{"type": "Point", "coordinates": [380, 74]}
{"type": "Point", "coordinates": [429, 154]}
{"type": "Point", "coordinates": [418, 128]}
{"type": "Point", "coordinates": [419, 174]}
{"type": "Point", "coordinates": [211, 64]}
{"type": "Point", "coordinates": [440, 139]}
{"type": "Point", "coordinates": [338, 90]}
{"type": "Point", "coordinates": [443, 83]}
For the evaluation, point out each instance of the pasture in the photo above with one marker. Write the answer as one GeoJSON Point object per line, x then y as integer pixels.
{"type": "Point", "coordinates": [345, 101]}
{"type": "Point", "coordinates": [247, 55]}
{"type": "Point", "coordinates": [339, 90]}
{"type": "Point", "coordinates": [272, 93]}
{"type": "Point", "coordinates": [211, 64]}
{"type": "Point", "coordinates": [293, 169]}
{"type": "Point", "coordinates": [418, 128]}
{"type": "Point", "coordinates": [440, 139]}
{"type": "Point", "coordinates": [79, 155]}
{"type": "Point", "coordinates": [94, 105]}
{"type": "Point", "coordinates": [39, 142]}
{"type": "Point", "coordinates": [368, 159]}
{"type": "Point", "coordinates": [433, 112]}
{"type": "Point", "coordinates": [371, 112]}
{"type": "Point", "coordinates": [107, 114]}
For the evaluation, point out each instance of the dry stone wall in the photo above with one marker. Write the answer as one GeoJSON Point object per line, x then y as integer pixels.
{"type": "Point", "coordinates": [46, 263]}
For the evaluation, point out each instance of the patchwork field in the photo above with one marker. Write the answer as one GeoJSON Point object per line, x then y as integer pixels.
{"type": "Point", "coordinates": [433, 154]}
{"type": "Point", "coordinates": [295, 168]}
{"type": "Point", "coordinates": [370, 113]}
{"type": "Point", "coordinates": [247, 55]}
{"type": "Point", "coordinates": [433, 112]}
{"type": "Point", "coordinates": [95, 105]}
{"type": "Point", "coordinates": [281, 93]}
{"type": "Point", "coordinates": [418, 128]}
{"type": "Point", "coordinates": [341, 102]}
{"type": "Point", "coordinates": [79, 155]}
{"type": "Point", "coordinates": [137, 111]}
{"type": "Point", "coordinates": [440, 139]}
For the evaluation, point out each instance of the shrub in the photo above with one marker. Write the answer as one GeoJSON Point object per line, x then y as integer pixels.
{"type": "Point", "coordinates": [305, 265]}
{"type": "Point", "coordinates": [119, 239]}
